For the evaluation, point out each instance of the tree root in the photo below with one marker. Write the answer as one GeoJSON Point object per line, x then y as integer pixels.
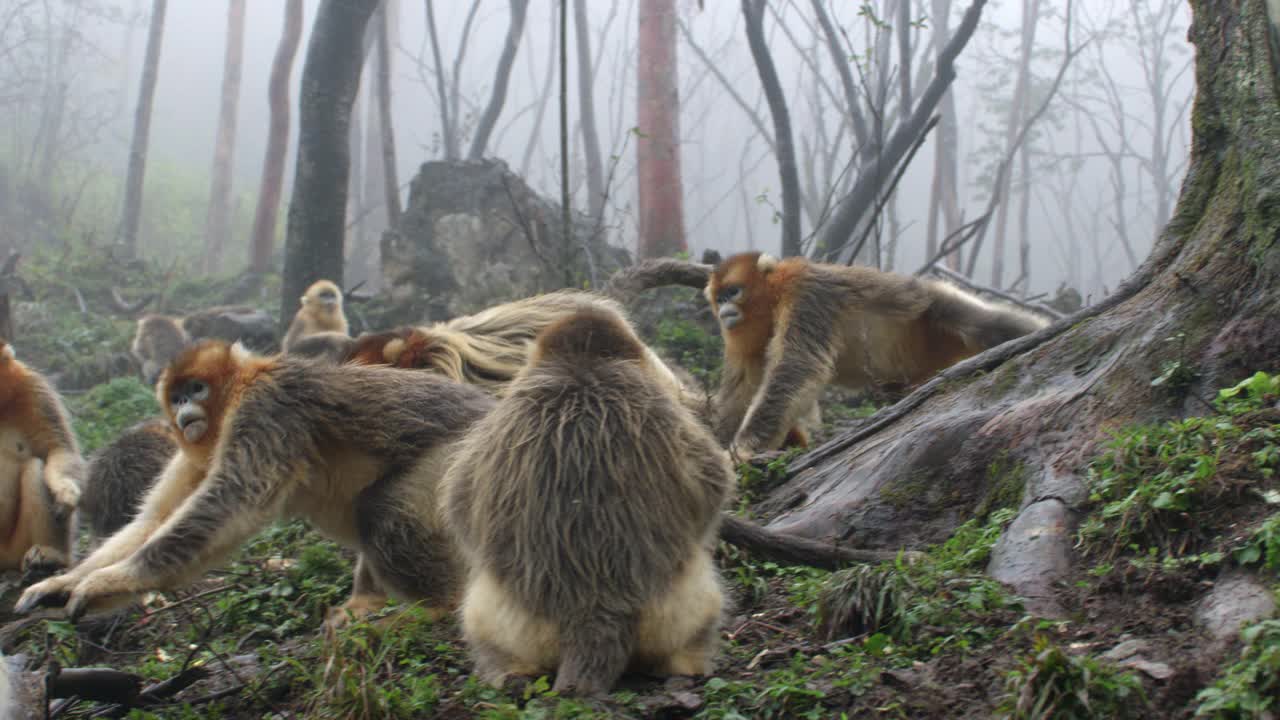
{"type": "Point", "coordinates": [795, 550]}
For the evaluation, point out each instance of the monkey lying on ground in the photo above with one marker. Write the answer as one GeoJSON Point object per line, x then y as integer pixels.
{"type": "Point", "coordinates": [588, 503]}
{"type": "Point", "coordinates": [321, 311]}
{"type": "Point", "coordinates": [40, 469]}
{"type": "Point", "coordinates": [120, 474]}
{"type": "Point", "coordinates": [792, 326]}
{"type": "Point", "coordinates": [357, 451]}
{"type": "Point", "coordinates": [159, 339]}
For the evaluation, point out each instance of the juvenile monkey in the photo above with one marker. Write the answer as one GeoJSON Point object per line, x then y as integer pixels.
{"type": "Point", "coordinates": [792, 326]}
{"type": "Point", "coordinates": [120, 474]}
{"type": "Point", "coordinates": [357, 451]}
{"type": "Point", "coordinates": [40, 469]}
{"type": "Point", "coordinates": [157, 340]}
{"type": "Point", "coordinates": [321, 311]}
{"type": "Point", "coordinates": [587, 504]}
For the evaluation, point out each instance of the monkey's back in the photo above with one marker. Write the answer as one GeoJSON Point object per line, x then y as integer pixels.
{"type": "Point", "coordinates": [120, 474]}
{"type": "Point", "coordinates": [594, 481]}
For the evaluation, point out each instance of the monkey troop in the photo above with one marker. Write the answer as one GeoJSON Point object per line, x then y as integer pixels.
{"type": "Point", "coordinates": [358, 451]}
{"type": "Point", "coordinates": [792, 326]}
{"type": "Point", "coordinates": [321, 312]}
{"type": "Point", "coordinates": [587, 504]}
{"type": "Point", "coordinates": [40, 469]}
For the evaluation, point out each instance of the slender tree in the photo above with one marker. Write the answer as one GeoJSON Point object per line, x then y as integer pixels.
{"type": "Point", "coordinates": [448, 122]}
{"type": "Point", "coordinates": [264, 217]}
{"type": "Point", "coordinates": [218, 220]}
{"type": "Point", "coordinates": [784, 146]}
{"type": "Point", "coordinates": [317, 213]}
{"type": "Point", "coordinates": [661, 203]}
{"type": "Point", "coordinates": [489, 118]}
{"type": "Point", "coordinates": [142, 132]}
{"type": "Point", "coordinates": [390, 177]}
{"type": "Point", "coordinates": [587, 113]}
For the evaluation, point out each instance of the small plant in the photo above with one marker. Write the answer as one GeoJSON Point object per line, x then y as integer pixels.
{"type": "Point", "coordinates": [1251, 687]}
{"type": "Point", "coordinates": [1053, 684]}
{"type": "Point", "coordinates": [1263, 546]}
{"type": "Point", "coordinates": [693, 348]}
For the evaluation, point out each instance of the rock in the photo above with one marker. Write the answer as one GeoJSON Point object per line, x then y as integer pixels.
{"type": "Point", "coordinates": [1131, 654]}
{"type": "Point", "coordinates": [1235, 600]}
{"type": "Point", "coordinates": [233, 323]}
{"type": "Point", "coordinates": [474, 234]}
{"type": "Point", "coordinates": [1034, 553]}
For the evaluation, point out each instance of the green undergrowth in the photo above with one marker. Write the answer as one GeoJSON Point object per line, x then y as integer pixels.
{"type": "Point", "coordinates": [1165, 490]}
{"type": "Point", "coordinates": [1052, 684]}
{"type": "Point", "coordinates": [101, 414]}
{"type": "Point", "coordinates": [694, 349]}
{"type": "Point", "coordinates": [1249, 688]}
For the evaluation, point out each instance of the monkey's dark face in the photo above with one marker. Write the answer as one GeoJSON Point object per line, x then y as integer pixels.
{"type": "Point", "coordinates": [728, 300]}
{"type": "Point", "coordinates": [327, 296]}
{"type": "Point", "coordinates": [187, 399]}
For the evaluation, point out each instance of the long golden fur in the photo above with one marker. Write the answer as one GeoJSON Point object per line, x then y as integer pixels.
{"type": "Point", "coordinates": [792, 326]}
{"type": "Point", "coordinates": [321, 311]}
{"type": "Point", "coordinates": [40, 469]}
{"type": "Point", "coordinates": [357, 451]}
{"type": "Point", "coordinates": [587, 503]}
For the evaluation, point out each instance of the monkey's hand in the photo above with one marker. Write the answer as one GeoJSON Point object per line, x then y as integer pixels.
{"type": "Point", "coordinates": [46, 593]}
{"type": "Point", "coordinates": [110, 587]}
{"type": "Point", "coordinates": [66, 494]}
{"type": "Point", "coordinates": [741, 451]}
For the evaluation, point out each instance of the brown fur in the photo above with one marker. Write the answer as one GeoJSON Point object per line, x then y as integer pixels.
{"type": "Point", "coordinates": [40, 469]}
{"type": "Point", "coordinates": [321, 311]}
{"type": "Point", "coordinates": [157, 340]}
{"type": "Point", "coordinates": [588, 502]}
{"type": "Point", "coordinates": [357, 451]}
{"type": "Point", "coordinates": [804, 324]}
{"type": "Point", "coordinates": [121, 473]}
{"type": "Point", "coordinates": [334, 347]}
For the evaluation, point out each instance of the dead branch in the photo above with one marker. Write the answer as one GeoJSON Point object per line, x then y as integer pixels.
{"type": "Point", "coordinates": [628, 282]}
{"type": "Point", "coordinates": [97, 685]}
{"type": "Point", "coordinates": [793, 549]}
{"type": "Point", "coordinates": [120, 305]}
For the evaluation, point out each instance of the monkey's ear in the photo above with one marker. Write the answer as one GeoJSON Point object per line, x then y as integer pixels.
{"type": "Point", "coordinates": [303, 299]}
{"type": "Point", "coordinates": [706, 292]}
{"type": "Point", "coordinates": [6, 352]}
{"type": "Point", "coordinates": [766, 263]}
{"type": "Point", "coordinates": [240, 353]}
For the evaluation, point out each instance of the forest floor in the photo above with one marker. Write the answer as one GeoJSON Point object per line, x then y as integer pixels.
{"type": "Point", "coordinates": [1177, 508]}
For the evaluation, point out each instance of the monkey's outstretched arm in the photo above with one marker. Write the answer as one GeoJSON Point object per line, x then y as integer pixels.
{"type": "Point", "coordinates": [244, 491]}
{"type": "Point", "coordinates": [800, 361]}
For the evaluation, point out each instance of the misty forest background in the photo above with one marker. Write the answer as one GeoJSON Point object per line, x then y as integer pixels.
{"type": "Point", "coordinates": [1094, 504]}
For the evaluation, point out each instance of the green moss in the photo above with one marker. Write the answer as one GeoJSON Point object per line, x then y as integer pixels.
{"type": "Point", "coordinates": [1006, 483]}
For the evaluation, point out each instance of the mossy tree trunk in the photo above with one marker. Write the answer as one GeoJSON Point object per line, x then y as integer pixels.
{"type": "Point", "coordinates": [1031, 414]}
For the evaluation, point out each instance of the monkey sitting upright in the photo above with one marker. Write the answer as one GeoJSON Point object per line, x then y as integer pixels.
{"type": "Point", "coordinates": [40, 469]}
{"type": "Point", "coordinates": [792, 326]}
{"type": "Point", "coordinates": [121, 473]}
{"type": "Point", "coordinates": [357, 451]}
{"type": "Point", "coordinates": [320, 312]}
{"type": "Point", "coordinates": [588, 503]}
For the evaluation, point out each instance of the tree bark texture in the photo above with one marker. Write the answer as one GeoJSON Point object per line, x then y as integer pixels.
{"type": "Point", "coordinates": [501, 77]}
{"type": "Point", "coordinates": [218, 220]}
{"type": "Point", "coordinates": [587, 113]}
{"type": "Point", "coordinates": [1043, 403]}
{"type": "Point", "coordinates": [784, 145]}
{"type": "Point", "coordinates": [661, 195]}
{"type": "Point", "coordinates": [264, 216]}
{"type": "Point", "coordinates": [132, 214]}
{"type": "Point", "coordinates": [317, 212]}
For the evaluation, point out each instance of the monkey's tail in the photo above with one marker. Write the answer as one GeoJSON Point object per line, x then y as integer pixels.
{"type": "Point", "coordinates": [793, 549]}
{"type": "Point", "coordinates": [594, 652]}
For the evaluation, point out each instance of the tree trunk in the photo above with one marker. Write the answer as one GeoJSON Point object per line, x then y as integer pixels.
{"type": "Point", "coordinates": [785, 149]}
{"type": "Point", "coordinates": [264, 217]}
{"type": "Point", "coordinates": [489, 118]}
{"type": "Point", "coordinates": [1019, 107]}
{"type": "Point", "coordinates": [544, 94]}
{"type": "Point", "coordinates": [448, 124]}
{"type": "Point", "coordinates": [390, 174]}
{"type": "Point", "coordinates": [1044, 402]}
{"type": "Point", "coordinates": [218, 220]}
{"type": "Point", "coordinates": [944, 205]}
{"type": "Point", "coordinates": [587, 114]}
{"type": "Point", "coordinates": [132, 214]}
{"type": "Point", "coordinates": [661, 203]}
{"type": "Point", "coordinates": [330, 80]}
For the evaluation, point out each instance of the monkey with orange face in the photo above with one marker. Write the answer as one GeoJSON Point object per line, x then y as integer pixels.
{"type": "Point", "coordinates": [40, 469]}
{"type": "Point", "coordinates": [357, 451]}
{"type": "Point", "coordinates": [793, 326]}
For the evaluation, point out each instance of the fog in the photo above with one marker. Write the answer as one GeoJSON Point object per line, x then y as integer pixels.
{"type": "Point", "coordinates": [1090, 185]}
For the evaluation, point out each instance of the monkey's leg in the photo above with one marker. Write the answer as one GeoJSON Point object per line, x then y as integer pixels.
{"type": "Point", "coordinates": [799, 365]}
{"type": "Point", "coordinates": [367, 597]}
{"type": "Point", "coordinates": [409, 557]}
{"type": "Point", "coordinates": [679, 632]}
{"type": "Point", "coordinates": [51, 532]}
{"type": "Point", "coordinates": [504, 639]}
